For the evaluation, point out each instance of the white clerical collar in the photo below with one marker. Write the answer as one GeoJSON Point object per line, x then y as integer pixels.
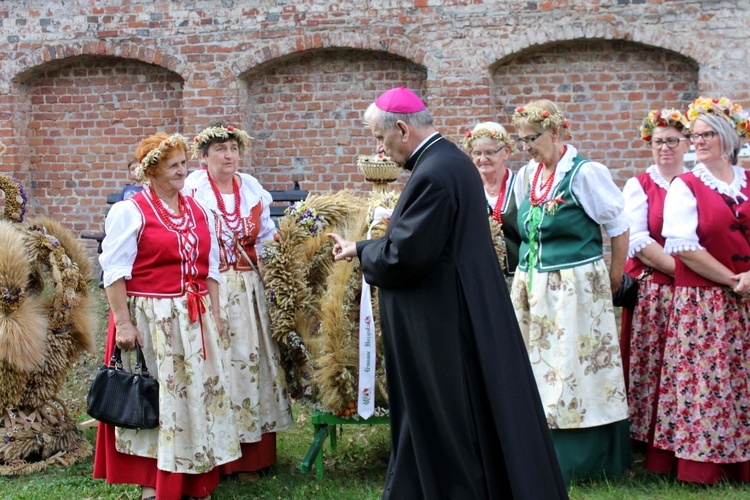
{"type": "Point", "coordinates": [426, 140]}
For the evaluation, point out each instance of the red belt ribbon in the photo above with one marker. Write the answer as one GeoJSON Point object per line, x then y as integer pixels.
{"type": "Point", "coordinates": [196, 309]}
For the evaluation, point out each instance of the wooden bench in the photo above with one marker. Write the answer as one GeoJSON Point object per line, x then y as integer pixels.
{"type": "Point", "coordinates": [287, 197]}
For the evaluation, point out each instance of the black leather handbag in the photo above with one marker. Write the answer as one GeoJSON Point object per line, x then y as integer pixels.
{"type": "Point", "coordinates": [627, 294]}
{"type": "Point", "coordinates": [124, 399]}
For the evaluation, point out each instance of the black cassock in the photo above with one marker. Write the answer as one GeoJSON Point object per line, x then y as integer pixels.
{"type": "Point", "coordinates": [466, 419]}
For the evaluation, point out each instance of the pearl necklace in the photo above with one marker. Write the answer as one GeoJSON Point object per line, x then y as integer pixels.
{"type": "Point", "coordinates": [233, 220]}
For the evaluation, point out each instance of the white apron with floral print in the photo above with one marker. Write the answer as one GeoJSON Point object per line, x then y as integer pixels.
{"type": "Point", "coordinates": [568, 323]}
{"type": "Point", "coordinates": [197, 429]}
{"type": "Point", "coordinates": [258, 383]}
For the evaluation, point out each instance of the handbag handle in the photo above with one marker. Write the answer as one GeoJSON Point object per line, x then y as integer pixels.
{"type": "Point", "coordinates": [140, 360]}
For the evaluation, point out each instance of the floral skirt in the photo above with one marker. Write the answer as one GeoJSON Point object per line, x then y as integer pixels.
{"type": "Point", "coordinates": [703, 413]}
{"type": "Point", "coordinates": [197, 429]}
{"type": "Point", "coordinates": [568, 324]}
{"type": "Point", "coordinates": [649, 325]}
{"type": "Point", "coordinates": [257, 381]}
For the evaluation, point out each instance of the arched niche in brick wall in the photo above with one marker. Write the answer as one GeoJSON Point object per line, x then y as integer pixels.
{"type": "Point", "coordinates": [83, 117]}
{"type": "Point", "coordinates": [305, 112]}
{"type": "Point", "coordinates": [605, 88]}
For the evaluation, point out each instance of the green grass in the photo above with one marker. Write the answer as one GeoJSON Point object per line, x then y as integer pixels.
{"type": "Point", "coordinates": [355, 471]}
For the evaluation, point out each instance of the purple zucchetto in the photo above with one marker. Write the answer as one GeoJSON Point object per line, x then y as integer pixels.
{"type": "Point", "coordinates": [400, 100]}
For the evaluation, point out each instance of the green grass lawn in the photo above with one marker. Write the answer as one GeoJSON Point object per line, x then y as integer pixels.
{"type": "Point", "coordinates": [355, 471]}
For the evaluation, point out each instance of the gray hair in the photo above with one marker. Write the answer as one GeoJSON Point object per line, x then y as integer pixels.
{"type": "Point", "coordinates": [387, 120]}
{"type": "Point", "coordinates": [728, 138]}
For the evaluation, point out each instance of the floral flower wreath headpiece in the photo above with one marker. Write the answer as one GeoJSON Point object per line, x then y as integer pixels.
{"type": "Point", "coordinates": [722, 107]}
{"type": "Point", "coordinates": [663, 118]}
{"type": "Point", "coordinates": [213, 133]}
{"type": "Point", "coordinates": [489, 132]}
{"type": "Point", "coordinates": [153, 156]}
{"type": "Point", "coordinates": [541, 116]}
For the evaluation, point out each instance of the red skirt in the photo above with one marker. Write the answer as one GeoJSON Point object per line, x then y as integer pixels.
{"type": "Point", "coordinates": [703, 416]}
{"type": "Point", "coordinates": [255, 456]}
{"type": "Point", "coordinates": [119, 468]}
{"type": "Point", "coordinates": [644, 352]}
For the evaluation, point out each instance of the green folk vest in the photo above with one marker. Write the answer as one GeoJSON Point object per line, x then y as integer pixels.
{"type": "Point", "coordinates": [566, 236]}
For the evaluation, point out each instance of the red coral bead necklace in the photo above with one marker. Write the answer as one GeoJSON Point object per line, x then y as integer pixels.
{"type": "Point", "coordinates": [233, 220]}
{"type": "Point", "coordinates": [180, 222]}
{"type": "Point", "coordinates": [497, 212]}
{"type": "Point", "coordinates": [546, 187]}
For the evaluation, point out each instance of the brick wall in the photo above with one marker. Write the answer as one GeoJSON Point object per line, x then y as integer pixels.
{"type": "Point", "coordinates": [82, 123]}
{"type": "Point", "coordinates": [605, 88]}
{"type": "Point", "coordinates": [82, 82]}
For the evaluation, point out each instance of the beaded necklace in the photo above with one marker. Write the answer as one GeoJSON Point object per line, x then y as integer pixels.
{"type": "Point", "coordinates": [546, 187]}
{"type": "Point", "coordinates": [497, 212]}
{"type": "Point", "coordinates": [233, 220]}
{"type": "Point", "coordinates": [179, 223]}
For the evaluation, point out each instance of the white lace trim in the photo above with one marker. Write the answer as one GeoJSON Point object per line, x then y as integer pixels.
{"type": "Point", "coordinates": [732, 189]}
{"type": "Point", "coordinates": [639, 244]}
{"type": "Point", "coordinates": [618, 230]}
{"type": "Point", "coordinates": [674, 245]}
{"type": "Point", "coordinates": [655, 175]}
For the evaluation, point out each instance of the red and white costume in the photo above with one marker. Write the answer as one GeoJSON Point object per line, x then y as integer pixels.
{"type": "Point", "coordinates": [644, 328]}
{"type": "Point", "coordinates": [258, 384]}
{"type": "Point", "coordinates": [165, 274]}
{"type": "Point", "coordinates": [703, 414]}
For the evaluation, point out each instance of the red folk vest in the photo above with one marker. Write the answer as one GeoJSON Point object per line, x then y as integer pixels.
{"type": "Point", "coordinates": [655, 195]}
{"type": "Point", "coordinates": [250, 230]}
{"type": "Point", "coordinates": [723, 227]}
{"type": "Point", "coordinates": [167, 262]}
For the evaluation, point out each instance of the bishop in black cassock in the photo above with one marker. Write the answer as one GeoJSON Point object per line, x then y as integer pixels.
{"type": "Point", "coordinates": [466, 418]}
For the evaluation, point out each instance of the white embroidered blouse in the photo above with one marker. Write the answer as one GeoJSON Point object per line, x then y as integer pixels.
{"type": "Point", "coordinates": [120, 246]}
{"type": "Point", "coordinates": [681, 210]}
{"type": "Point", "coordinates": [636, 206]}
{"type": "Point", "coordinates": [592, 186]}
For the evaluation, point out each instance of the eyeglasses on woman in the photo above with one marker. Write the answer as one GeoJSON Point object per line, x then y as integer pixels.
{"type": "Point", "coordinates": [486, 154]}
{"type": "Point", "coordinates": [706, 136]}
{"type": "Point", "coordinates": [527, 140]}
{"type": "Point", "coordinates": [671, 142]}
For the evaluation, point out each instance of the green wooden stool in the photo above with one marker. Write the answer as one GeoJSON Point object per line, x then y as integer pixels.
{"type": "Point", "coordinates": [321, 423]}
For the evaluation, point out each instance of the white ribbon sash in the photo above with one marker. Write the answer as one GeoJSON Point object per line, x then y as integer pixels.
{"type": "Point", "coordinates": [367, 353]}
{"type": "Point", "coordinates": [366, 400]}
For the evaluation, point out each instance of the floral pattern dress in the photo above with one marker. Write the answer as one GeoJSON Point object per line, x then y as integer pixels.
{"type": "Point", "coordinates": [648, 320]}
{"type": "Point", "coordinates": [566, 315]}
{"type": "Point", "coordinates": [703, 413]}
{"type": "Point", "coordinates": [258, 384]}
{"type": "Point", "coordinates": [197, 429]}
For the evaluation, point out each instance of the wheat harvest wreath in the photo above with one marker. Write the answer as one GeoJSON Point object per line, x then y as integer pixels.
{"type": "Point", "coordinates": [314, 303]}
{"type": "Point", "coordinates": [47, 320]}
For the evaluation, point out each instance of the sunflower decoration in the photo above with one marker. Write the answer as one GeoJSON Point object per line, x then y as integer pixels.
{"type": "Point", "coordinates": [47, 321]}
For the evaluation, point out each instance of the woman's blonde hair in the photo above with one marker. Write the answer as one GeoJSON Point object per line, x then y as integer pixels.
{"type": "Point", "coordinates": [489, 130]}
{"type": "Point", "coordinates": [540, 115]}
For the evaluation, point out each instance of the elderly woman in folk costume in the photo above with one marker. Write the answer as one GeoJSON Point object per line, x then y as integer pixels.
{"type": "Point", "coordinates": [703, 414]}
{"type": "Point", "coordinates": [241, 217]}
{"type": "Point", "coordinates": [489, 146]}
{"type": "Point", "coordinates": [644, 327]}
{"type": "Point", "coordinates": [160, 262]}
{"type": "Point", "coordinates": [562, 293]}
